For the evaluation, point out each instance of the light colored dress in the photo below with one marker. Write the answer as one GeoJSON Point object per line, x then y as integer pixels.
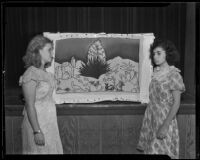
{"type": "Point", "coordinates": [161, 101]}
{"type": "Point", "coordinates": [46, 114]}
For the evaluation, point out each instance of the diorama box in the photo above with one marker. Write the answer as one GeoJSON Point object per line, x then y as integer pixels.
{"type": "Point", "coordinates": [94, 67]}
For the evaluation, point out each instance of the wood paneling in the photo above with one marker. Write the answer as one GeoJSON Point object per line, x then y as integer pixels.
{"type": "Point", "coordinates": [17, 138]}
{"type": "Point", "coordinates": [186, 124]}
{"type": "Point", "coordinates": [190, 137]}
{"type": "Point", "coordinates": [182, 130]}
{"type": "Point", "coordinates": [111, 134]}
{"type": "Point", "coordinates": [9, 135]}
{"type": "Point", "coordinates": [68, 127]}
{"type": "Point", "coordinates": [102, 134]}
{"type": "Point", "coordinates": [89, 134]}
{"type": "Point", "coordinates": [130, 126]}
{"type": "Point", "coordinates": [100, 109]}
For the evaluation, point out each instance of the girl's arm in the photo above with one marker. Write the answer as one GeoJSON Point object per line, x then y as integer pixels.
{"type": "Point", "coordinates": [172, 113]}
{"type": "Point", "coordinates": [29, 90]}
{"type": "Point", "coordinates": [174, 109]}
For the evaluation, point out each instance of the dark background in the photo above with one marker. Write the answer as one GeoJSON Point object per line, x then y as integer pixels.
{"type": "Point", "coordinates": [113, 47]}
{"type": "Point", "coordinates": [175, 21]}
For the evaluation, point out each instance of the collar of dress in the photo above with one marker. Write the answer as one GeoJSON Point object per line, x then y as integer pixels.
{"type": "Point", "coordinates": [158, 74]}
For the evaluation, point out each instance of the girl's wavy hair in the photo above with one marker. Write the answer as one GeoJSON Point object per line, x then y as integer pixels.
{"type": "Point", "coordinates": [32, 56]}
{"type": "Point", "coordinates": [172, 55]}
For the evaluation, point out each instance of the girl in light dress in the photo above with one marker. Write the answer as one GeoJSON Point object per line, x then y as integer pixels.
{"type": "Point", "coordinates": [40, 132]}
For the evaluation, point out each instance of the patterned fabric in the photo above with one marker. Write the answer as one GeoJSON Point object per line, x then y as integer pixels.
{"type": "Point", "coordinates": [161, 101]}
{"type": "Point", "coordinates": [46, 114]}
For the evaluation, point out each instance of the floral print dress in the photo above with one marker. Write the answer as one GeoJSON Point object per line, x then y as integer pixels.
{"type": "Point", "coordinates": [161, 101]}
{"type": "Point", "coordinates": [46, 114]}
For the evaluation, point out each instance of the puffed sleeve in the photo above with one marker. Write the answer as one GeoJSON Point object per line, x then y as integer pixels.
{"type": "Point", "coordinates": [29, 75]}
{"type": "Point", "coordinates": [176, 82]}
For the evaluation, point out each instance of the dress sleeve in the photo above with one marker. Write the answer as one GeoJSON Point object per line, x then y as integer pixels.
{"type": "Point", "coordinates": [29, 75]}
{"type": "Point", "coordinates": [177, 82]}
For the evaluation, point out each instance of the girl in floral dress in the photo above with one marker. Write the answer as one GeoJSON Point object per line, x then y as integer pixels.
{"type": "Point", "coordinates": [159, 133]}
{"type": "Point", "coordinates": [40, 134]}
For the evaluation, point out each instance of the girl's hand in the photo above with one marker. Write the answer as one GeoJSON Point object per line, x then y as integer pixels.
{"type": "Point", "coordinates": [39, 139]}
{"type": "Point", "coordinates": [162, 131]}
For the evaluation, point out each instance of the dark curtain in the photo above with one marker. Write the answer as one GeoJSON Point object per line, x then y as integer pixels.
{"type": "Point", "coordinates": [190, 49]}
{"type": "Point", "coordinates": [22, 23]}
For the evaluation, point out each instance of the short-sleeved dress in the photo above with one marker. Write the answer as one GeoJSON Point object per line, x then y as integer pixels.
{"type": "Point", "coordinates": [161, 101]}
{"type": "Point", "coordinates": [46, 114]}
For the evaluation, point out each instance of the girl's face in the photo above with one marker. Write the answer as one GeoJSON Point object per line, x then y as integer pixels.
{"type": "Point", "coordinates": [159, 56]}
{"type": "Point", "coordinates": [46, 53]}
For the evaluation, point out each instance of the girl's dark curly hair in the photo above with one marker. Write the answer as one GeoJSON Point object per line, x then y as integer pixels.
{"type": "Point", "coordinates": [32, 56]}
{"type": "Point", "coordinates": [172, 55]}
